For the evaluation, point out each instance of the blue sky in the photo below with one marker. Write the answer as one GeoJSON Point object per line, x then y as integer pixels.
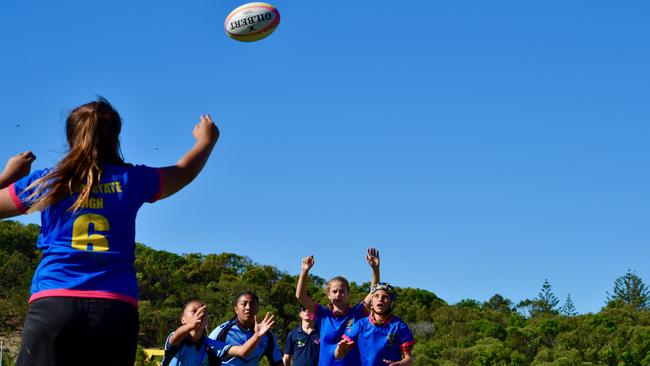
{"type": "Point", "coordinates": [481, 146]}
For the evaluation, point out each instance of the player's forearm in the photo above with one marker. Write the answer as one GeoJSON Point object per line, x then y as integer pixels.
{"type": "Point", "coordinates": [180, 333]}
{"type": "Point", "coordinates": [301, 290]}
{"type": "Point", "coordinates": [245, 349]}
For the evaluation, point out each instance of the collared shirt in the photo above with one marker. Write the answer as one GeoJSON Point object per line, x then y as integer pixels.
{"type": "Point", "coordinates": [379, 342]}
{"type": "Point", "coordinates": [189, 353]}
{"type": "Point", "coordinates": [303, 347]}
{"type": "Point", "coordinates": [239, 335]}
{"type": "Point", "coordinates": [332, 328]}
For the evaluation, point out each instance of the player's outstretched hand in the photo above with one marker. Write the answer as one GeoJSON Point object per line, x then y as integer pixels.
{"type": "Point", "coordinates": [196, 319]}
{"type": "Point", "coordinates": [18, 166]}
{"type": "Point", "coordinates": [307, 263]}
{"type": "Point", "coordinates": [263, 326]}
{"type": "Point", "coordinates": [373, 257]}
{"type": "Point", "coordinates": [206, 131]}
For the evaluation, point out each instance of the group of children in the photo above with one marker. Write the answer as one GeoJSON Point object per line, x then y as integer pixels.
{"type": "Point", "coordinates": [366, 334]}
{"type": "Point", "coordinates": [84, 296]}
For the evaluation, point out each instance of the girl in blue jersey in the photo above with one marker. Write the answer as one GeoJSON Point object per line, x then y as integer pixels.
{"type": "Point", "coordinates": [188, 345]}
{"type": "Point", "coordinates": [381, 338]}
{"type": "Point", "coordinates": [332, 320]}
{"type": "Point", "coordinates": [83, 303]}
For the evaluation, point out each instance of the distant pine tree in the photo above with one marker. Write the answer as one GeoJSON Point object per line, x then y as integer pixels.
{"type": "Point", "coordinates": [568, 308]}
{"type": "Point", "coordinates": [546, 301]}
{"type": "Point", "coordinates": [630, 290]}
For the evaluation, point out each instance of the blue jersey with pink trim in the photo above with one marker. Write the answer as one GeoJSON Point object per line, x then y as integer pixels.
{"type": "Point", "coordinates": [90, 252]}
{"type": "Point", "coordinates": [379, 342]}
{"type": "Point", "coordinates": [332, 329]}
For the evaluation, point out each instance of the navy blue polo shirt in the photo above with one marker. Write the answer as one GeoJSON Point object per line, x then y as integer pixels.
{"type": "Point", "coordinates": [303, 347]}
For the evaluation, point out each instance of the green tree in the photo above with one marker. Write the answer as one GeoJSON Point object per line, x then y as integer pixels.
{"type": "Point", "coordinates": [568, 309]}
{"type": "Point", "coordinates": [631, 290]}
{"type": "Point", "coordinates": [546, 301]}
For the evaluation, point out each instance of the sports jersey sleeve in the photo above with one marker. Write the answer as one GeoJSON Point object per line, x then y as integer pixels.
{"type": "Point", "coordinates": [147, 181]}
{"type": "Point", "coordinates": [406, 337]}
{"type": "Point", "coordinates": [215, 332]}
{"type": "Point", "coordinates": [288, 346]}
{"type": "Point", "coordinates": [320, 313]}
{"type": "Point", "coordinates": [219, 348]}
{"type": "Point", "coordinates": [352, 332]}
{"type": "Point", "coordinates": [168, 345]}
{"type": "Point", "coordinates": [20, 191]}
{"type": "Point", "coordinates": [274, 356]}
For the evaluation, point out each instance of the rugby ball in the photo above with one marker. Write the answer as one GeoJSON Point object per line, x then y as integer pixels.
{"type": "Point", "coordinates": [252, 22]}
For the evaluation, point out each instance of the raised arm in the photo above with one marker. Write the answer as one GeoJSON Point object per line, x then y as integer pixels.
{"type": "Point", "coordinates": [260, 329]}
{"type": "Point", "coordinates": [17, 167]}
{"type": "Point", "coordinates": [373, 261]}
{"type": "Point", "coordinates": [194, 322]}
{"type": "Point", "coordinates": [301, 288]}
{"type": "Point", "coordinates": [177, 176]}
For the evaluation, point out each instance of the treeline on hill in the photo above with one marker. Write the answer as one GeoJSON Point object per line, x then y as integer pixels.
{"type": "Point", "coordinates": [495, 332]}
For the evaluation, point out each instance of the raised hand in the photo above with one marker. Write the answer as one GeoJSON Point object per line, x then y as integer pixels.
{"type": "Point", "coordinates": [307, 263]}
{"type": "Point", "coordinates": [373, 257]}
{"type": "Point", "coordinates": [18, 166]}
{"type": "Point", "coordinates": [263, 326]}
{"type": "Point", "coordinates": [196, 320]}
{"type": "Point", "coordinates": [206, 130]}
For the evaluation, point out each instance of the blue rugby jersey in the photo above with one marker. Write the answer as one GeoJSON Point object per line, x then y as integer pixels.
{"type": "Point", "coordinates": [239, 335]}
{"type": "Point", "coordinates": [90, 253]}
{"type": "Point", "coordinates": [332, 329]}
{"type": "Point", "coordinates": [379, 342]}
{"type": "Point", "coordinates": [188, 353]}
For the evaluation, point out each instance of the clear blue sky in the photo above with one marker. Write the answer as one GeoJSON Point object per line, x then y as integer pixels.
{"type": "Point", "coordinates": [482, 146]}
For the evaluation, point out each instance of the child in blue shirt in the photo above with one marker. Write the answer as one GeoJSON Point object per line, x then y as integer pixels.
{"type": "Point", "coordinates": [382, 339]}
{"type": "Point", "coordinates": [189, 346]}
{"type": "Point", "coordinates": [332, 320]}
{"type": "Point", "coordinates": [84, 295]}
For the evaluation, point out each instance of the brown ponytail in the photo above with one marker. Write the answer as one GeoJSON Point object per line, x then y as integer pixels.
{"type": "Point", "coordinates": [93, 131]}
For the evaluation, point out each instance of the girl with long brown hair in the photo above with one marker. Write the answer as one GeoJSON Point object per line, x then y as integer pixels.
{"type": "Point", "coordinates": [83, 302]}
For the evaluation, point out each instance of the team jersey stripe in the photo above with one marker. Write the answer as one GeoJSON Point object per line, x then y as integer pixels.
{"type": "Point", "coordinates": [16, 199]}
{"type": "Point", "coordinates": [84, 294]}
{"type": "Point", "coordinates": [408, 345]}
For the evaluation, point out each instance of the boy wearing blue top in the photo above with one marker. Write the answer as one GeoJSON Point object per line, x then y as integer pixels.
{"type": "Point", "coordinates": [188, 345]}
{"type": "Point", "coordinates": [303, 342]}
{"type": "Point", "coordinates": [382, 339]}
{"type": "Point", "coordinates": [241, 328]}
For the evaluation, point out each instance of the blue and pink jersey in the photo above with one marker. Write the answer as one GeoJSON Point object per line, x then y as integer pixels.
{"type": "Point", "coordinates": [90, 253]}
{"type": "Point", "coordinates": [332, 329]}
{"type": "Point", "coordinates": [379, 342]}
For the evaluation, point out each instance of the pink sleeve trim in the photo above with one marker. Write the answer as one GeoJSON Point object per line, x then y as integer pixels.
{"type": "Point", "coordinates": [408, 345]}
{"type": "Point", "coordinates": [84, 294]}
{"type": "Point", "coordinates": [160, 186]}
{"type": "Point", "coordinates": [312, 316]}
{"type": "Point", "coordinates": [14, 197]}
{"type": "Point", "coordinates": [347, 339]}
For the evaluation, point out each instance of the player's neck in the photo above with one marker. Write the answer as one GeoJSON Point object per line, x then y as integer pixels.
{"type": "Point", "coordinates": [381, 318]}
{"type": "Point", "coordinates": [308, 326]}
{"type": "Point", "coordinates": [196, 335]}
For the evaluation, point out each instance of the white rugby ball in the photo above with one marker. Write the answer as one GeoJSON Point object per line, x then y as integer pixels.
{"type": "Point", "coordinates": [252, 22]}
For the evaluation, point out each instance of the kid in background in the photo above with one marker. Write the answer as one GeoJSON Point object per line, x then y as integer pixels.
{"type": "Point", "coordinates": [188, 345]}
{"type": "Point", "coordinates": [303, 342]}
{"type": "Point", "coordinates": [332, 320]}
{"type": "Point", "coordinates": [382, 339]}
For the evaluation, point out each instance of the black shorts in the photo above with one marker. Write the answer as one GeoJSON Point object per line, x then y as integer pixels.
{"type": "Point", "coordinates": [79, 331]}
